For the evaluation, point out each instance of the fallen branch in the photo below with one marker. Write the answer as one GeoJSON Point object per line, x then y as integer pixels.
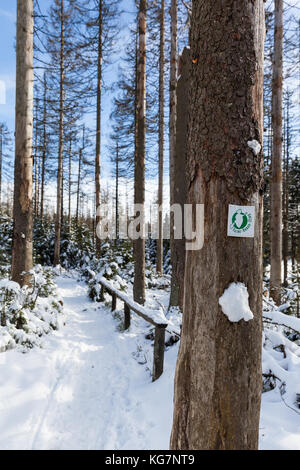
{"type": "Point", "coordinates": [271, 322]}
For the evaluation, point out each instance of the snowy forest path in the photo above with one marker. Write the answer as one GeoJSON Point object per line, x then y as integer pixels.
{"type": "Point", "coordinates": [83, 389]}
{"type": "Point", "coordinates": [93, 371]}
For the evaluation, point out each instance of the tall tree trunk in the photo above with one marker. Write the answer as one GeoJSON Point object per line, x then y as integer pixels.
{"type": "Point", "coordinates": [117, 193]}
{"type": "Point", "coordinates": [180, 183]}
{"type": "Point", "coordinates": [79, 174]}
{"type": "Point", "coordinates": [139, 167]}
{"type": "Point", "coordinates": [60, 144]}
{"type": "Point", "coordinates": [78, 186]}
{"type": "Point", "coordinates": [218, 374]}
{"type": "Point", "coordinates": [44, 148]}
{"type": "Point", "coordinates": [62, 196]}
{"type": "Point", "coordinates": [38, 186]}
{"type": "Point", "coordinates": [98, 131]}
{"type": "Point", "coordinates": [159, 261]}
{"type": "Point", "coordinates": [285, 236]}
{"type": "Point", "coordinates": [35, 160]}
{"type": "Point", "coordinates": [22, 211]}
{"type": "Point", "coordinates": [172, 140]}
{"type": "Point", "coordinates": [1, 162]}
{"type": "Point", "coordinates": [70, 185]}
{"type": "Point", "coordinates": [276, 184]}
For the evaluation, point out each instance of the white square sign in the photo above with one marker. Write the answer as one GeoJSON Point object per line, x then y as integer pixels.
{"type": "Point", "coordinates": [241, 221]}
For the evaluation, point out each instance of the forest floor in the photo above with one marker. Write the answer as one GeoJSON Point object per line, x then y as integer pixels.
{"type": "Point", "coordinates": [85, 389]}
{"type": "Point", "coordinates": [89, 387]}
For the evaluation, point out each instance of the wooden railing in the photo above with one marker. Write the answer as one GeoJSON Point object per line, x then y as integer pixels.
{"type": "Point", "coordinates": [130, 305]}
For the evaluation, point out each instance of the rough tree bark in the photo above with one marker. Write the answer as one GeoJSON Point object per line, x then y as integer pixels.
{"type": "Point", "coordinates": [180, 183]}
{"type": "Point", "coordinates": [22, 211]}
{"type": "Point", "coordinates": [139, 167]}
{"type": "Point", "coordinates": [98, 131]}
{"type": "Point", "coordinates": [159, 260]}
{"type": "Point", "coordinates": [172, 137]}
{"type": "Point", "coordinates": [60, 143]}
{"type": "Point", "coordinates": [218, 374]}
{"type": "Point", "coordinates": [276, 182]}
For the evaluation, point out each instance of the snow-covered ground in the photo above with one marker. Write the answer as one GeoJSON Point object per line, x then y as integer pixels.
{"type": "Point", "coordinates": [279, 425]}
{"type": "Point", "coordinates": [84, 389]}
{"type": "Point", "coordinates": [90, 387]}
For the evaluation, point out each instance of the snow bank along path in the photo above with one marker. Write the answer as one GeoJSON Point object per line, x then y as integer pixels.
{"type": "Point", "coordinates": [84, 389]}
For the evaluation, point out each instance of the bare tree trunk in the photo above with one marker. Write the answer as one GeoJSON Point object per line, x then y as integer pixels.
{"type": "Point", "coordinates": [172, 138]}
{"type": "Point", "coordinates": [70, 185]}
{"type": "Point", "coordinates": [117, 193]}
{"type": "Point", "coordinates": [1, 160]}
{"type": "Point", "coordinates": [139, 167]}
{"type": "Point", "coordinates": [276, 184]}
{"type": "Point", "coordinates": [285, 236]}
{"type": "Point", "coordinates": [159, 261]}
{"type": "Point", "coordinates": [180, 181]}
{"type": "Point", "coordinates": [62, 195]}
{"type": "Point", "coordinates": [284, 215]}
{"type": "Point", "coordinates": [79, 175]}
{"type": "Point", "coordinates": [98, 132]}
{"type": "Point", "coordinates": [44, 148]}
{"type": "Point", "coordinates": [61, 138]}
{"type": "Point", "coordinates": [218, 374]}
{"type": "Point", "coordinates": [35, 160]}
{"type": "Point", "coordinates": [78, 186]}
{"type": "Point", "coordinates": [38, 186]}
{"type": "Point", "coordinates": [22, 211]}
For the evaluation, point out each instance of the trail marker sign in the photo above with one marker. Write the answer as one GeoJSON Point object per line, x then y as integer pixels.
{"type": "Point", "coordinates": [241, 221]}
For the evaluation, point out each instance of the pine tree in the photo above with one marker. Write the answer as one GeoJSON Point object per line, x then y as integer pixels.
{"type": "Point", "coordinates": [139, 172]}
{"type": "Point", "coordinates": [99, 39]}
{"type": "Point", "coordinates": [63, 58]}
{"type": "Point", "coordinates": [22, 212]}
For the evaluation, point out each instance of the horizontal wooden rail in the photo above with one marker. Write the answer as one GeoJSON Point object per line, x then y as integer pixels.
{"type": "Point", "coordinates": [154, 318]}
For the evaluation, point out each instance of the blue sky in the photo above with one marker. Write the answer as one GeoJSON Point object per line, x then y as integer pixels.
{"type": "Point", "coordinates": [8, 65]}
{"type": "Point", "coordinates": [7, 75]}
{"type": "Point", "coordinates": [8, 61]}
{"type": "Point", "coordinates": [7, 52]}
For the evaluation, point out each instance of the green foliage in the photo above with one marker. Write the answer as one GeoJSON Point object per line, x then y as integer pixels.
{"type": "Point", "coordinates": [77, 248]}
{"type": "Point", "coordinates": [114, 265]}
{"type": "Point", "coordinates": [5, 244]}
{"type": "Point", "coordinates": [43, 242]}
{"type": "Point", "coordinates": [290, 294]}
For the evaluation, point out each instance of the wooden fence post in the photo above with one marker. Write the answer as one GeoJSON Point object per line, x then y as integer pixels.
{"type": "Point", "coordinates": [102, 294]}
{"type": "Point", "coordinates": [159, 351]}
{"type": "Point", "coordinates": [160, 329]}
{"type": "Point", "coordinates": [114, 302]}
{"type": "Point", "coordinates": [127, 316]}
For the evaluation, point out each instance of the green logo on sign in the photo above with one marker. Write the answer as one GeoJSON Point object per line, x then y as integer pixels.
{"type": "Point", "coordinates": [241, 221]}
